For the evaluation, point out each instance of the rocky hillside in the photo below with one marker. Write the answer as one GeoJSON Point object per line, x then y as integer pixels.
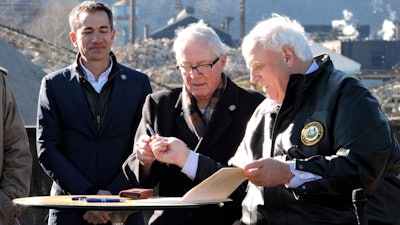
{"type": "Point", "coordinates": [156, 59]}
{"type": "Point", "coordinates": [153, 57]}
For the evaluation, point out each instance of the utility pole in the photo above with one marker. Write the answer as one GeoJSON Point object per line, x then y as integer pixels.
{"type": "Point", "coordinates": [132, 21]}
{"type": "Point", "coordinates": [227, 23]}
{"type": "Point", "coordinates": [178, 6]}
{"type": "Point", "coordinates": [242, 16]}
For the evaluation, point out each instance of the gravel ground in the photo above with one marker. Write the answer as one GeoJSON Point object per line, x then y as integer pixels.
{"type": "Point", "coordinates": [24, 78]}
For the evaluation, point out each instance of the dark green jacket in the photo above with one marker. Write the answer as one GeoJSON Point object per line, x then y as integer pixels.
{"type": "Point", "coordinates": [331, 126]}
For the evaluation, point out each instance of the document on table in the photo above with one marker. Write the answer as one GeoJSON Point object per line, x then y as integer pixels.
{"type": "Point", "coordinates": [216, 188]}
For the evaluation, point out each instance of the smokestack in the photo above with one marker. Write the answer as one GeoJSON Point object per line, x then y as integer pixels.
{"type": "Point", "coordinates": [242, 16]}
{"type": "Point", "coordinates": [132, 20]}
{"type": "Point", "coordinates": [178, 6]}
{"type": "Point", "coordinates": [227, 22]}
{"type": "Point", "coordinates": [146, 31]}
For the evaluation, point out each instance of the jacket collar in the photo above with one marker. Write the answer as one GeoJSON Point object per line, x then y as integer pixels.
{"type": "Point", "coordinates": [76, 91]}
{"type": "Point", "coordinates": [220, 121]}
{"type": "Point", "coordinates": [77, 71]}
{"type": "Point", "coordinates": [299, 86]}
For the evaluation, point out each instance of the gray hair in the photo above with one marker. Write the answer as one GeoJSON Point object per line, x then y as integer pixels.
{"type": "Point", "coordinates": [198, 30]}
{"type": "Point", "coordinates": [89, 6]}
{"type": "Point", "coordinates": [276, 32]}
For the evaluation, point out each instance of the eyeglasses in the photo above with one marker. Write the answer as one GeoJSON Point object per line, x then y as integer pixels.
{"type": "Point", "coordinates": [202, 69]}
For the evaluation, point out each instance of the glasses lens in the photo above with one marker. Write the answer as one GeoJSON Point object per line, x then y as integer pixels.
{"type": "Point", "coordinates": [185, 69]}
{"type": "Point", "coordinates": [203, 69]}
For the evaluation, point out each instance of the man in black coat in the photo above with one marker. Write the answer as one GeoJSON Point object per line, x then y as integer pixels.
{"type": "Point", "coordinates": [209, 113]}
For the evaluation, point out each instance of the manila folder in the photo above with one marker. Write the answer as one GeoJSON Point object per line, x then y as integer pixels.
{"type": "Point", "coordinates": [216, 187]}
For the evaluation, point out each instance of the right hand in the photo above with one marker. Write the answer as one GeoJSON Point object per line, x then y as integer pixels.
{"type": "Point", "coordinates": [144, 152]}
{"type": "Point", "coordinates": [268, 172]}
{"type": "Point", "coordinates": [170, 150]}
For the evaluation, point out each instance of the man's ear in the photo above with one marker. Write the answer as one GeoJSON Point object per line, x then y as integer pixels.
{"type": "Point", "coordinates": [112, 35]}
{"type": "Point", "coordinates": [288, 54]}
{"type": "Point", "coordinates": [223, 59]}
{"type": "Point", "coordinates": [72, 37]}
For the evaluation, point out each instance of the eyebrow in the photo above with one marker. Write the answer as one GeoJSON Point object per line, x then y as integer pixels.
{"type": "Point", "coordinates": [185, 63]}
{"type": "Point", "coordinates": [257, 63]}
{"type": "Point", "coordinates": [92, 28]}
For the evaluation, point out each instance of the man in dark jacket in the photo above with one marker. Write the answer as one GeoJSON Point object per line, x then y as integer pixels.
{"type": "Point", "coordinates": [209, 113]}
{"type": "Point", "coordinates": [88, 113]}
{"type": "Point", "coordinates": [318, 136]}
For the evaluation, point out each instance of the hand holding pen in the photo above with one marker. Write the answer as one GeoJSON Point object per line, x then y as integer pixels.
{"type": "Point", "coordinates": [143, 150]}
{"type": "Point", "coordinates": [170, 150]}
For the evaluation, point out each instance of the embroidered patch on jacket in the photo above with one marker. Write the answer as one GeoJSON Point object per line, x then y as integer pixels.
{"type": "Point", "coordinates": [312, 133]}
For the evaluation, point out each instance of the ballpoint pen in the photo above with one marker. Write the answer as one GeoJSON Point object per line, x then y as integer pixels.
{"type": "Point", "coordinates": [78, 198]}
{"type": "Point", "coordinates": [104, 200]}
{"type": "Point", "coordinates": [151, 131]}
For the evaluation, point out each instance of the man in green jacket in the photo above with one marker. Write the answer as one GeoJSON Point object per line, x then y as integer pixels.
{"type": "Point", "coordinates": [15, 156]}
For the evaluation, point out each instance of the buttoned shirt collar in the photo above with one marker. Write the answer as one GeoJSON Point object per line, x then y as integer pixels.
{"type": "Point", "coordinates": [103, 78]}
{"type": "Point", "coordinates": [313, 67]}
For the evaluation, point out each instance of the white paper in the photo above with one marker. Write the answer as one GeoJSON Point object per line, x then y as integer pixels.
{"type": "Point", "coordinates": [214, 189]}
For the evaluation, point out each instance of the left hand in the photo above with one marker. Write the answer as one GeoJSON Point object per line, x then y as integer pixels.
{"type": "Point", "coordinates": [268, 172]}
{"type": "Point", "coordinates": [98, 217]}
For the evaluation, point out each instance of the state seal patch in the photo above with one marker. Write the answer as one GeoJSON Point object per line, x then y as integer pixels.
{"type": "Point", "coordinates": [312, 133]}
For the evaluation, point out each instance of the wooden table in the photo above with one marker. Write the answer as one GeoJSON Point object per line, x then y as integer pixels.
{"type": "Point", "coordinates": [119, 208]}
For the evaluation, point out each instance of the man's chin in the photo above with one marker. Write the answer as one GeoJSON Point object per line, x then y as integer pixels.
{"type": "Point", "coordinates": [98, 57]}
{"type": "Point", "coordinates": [265, 89]}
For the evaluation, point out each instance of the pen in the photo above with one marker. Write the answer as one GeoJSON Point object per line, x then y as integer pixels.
{"type": "Point", "coordinates": [78, 198]}
{"type": "Point", "coordinates": [151, 131]}
{"type": "Point", "coordinates": [104, 200]}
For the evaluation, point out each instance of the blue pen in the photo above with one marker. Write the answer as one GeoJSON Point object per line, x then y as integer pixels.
{"type": "Point", "coordinates": [104, 200]}
{"type": "Point", "coordinates": [151, 131]}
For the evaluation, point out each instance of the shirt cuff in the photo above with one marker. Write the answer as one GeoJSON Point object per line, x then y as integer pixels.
{"type": "Point", "coordinates": [300, 177]}
{"type": "Point", "coordinates": [190, 167]}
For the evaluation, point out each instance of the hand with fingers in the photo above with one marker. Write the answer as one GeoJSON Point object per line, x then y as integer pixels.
{"type": "Point", "coordinates": [97, 217]}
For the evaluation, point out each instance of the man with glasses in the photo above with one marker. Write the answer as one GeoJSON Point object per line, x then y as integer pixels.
{"type": "Point", "coordinates": [209, 113]}
{"type": "Point", "coordinates": [202, 69]}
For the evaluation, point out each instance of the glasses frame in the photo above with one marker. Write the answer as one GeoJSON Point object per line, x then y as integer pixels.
{"type": "Point", "coordinates": [195, 67]}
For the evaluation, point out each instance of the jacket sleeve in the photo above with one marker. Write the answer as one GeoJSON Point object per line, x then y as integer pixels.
{"type": "Point", "coordinates": [131, 166]}
{"type": "Point", "coordinates": [17, 161]}
{"type": "Point", "coordinates": [48, 134]}
{"type": "Point", "coordinates": [363, 146]}
{"type": "Point", "coordinates": [122, 180]}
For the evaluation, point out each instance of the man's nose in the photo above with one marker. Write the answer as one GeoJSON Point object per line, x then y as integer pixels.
{"type": "Point", "coordinates": [194, 72]}
{"type": "Point", "coordinates": [96, 36]}
{"type": "Point", "coordinates": [254, 77]}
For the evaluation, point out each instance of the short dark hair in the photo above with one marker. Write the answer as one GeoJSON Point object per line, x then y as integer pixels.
{"type": "Point", "coordinates": [89, 6]}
